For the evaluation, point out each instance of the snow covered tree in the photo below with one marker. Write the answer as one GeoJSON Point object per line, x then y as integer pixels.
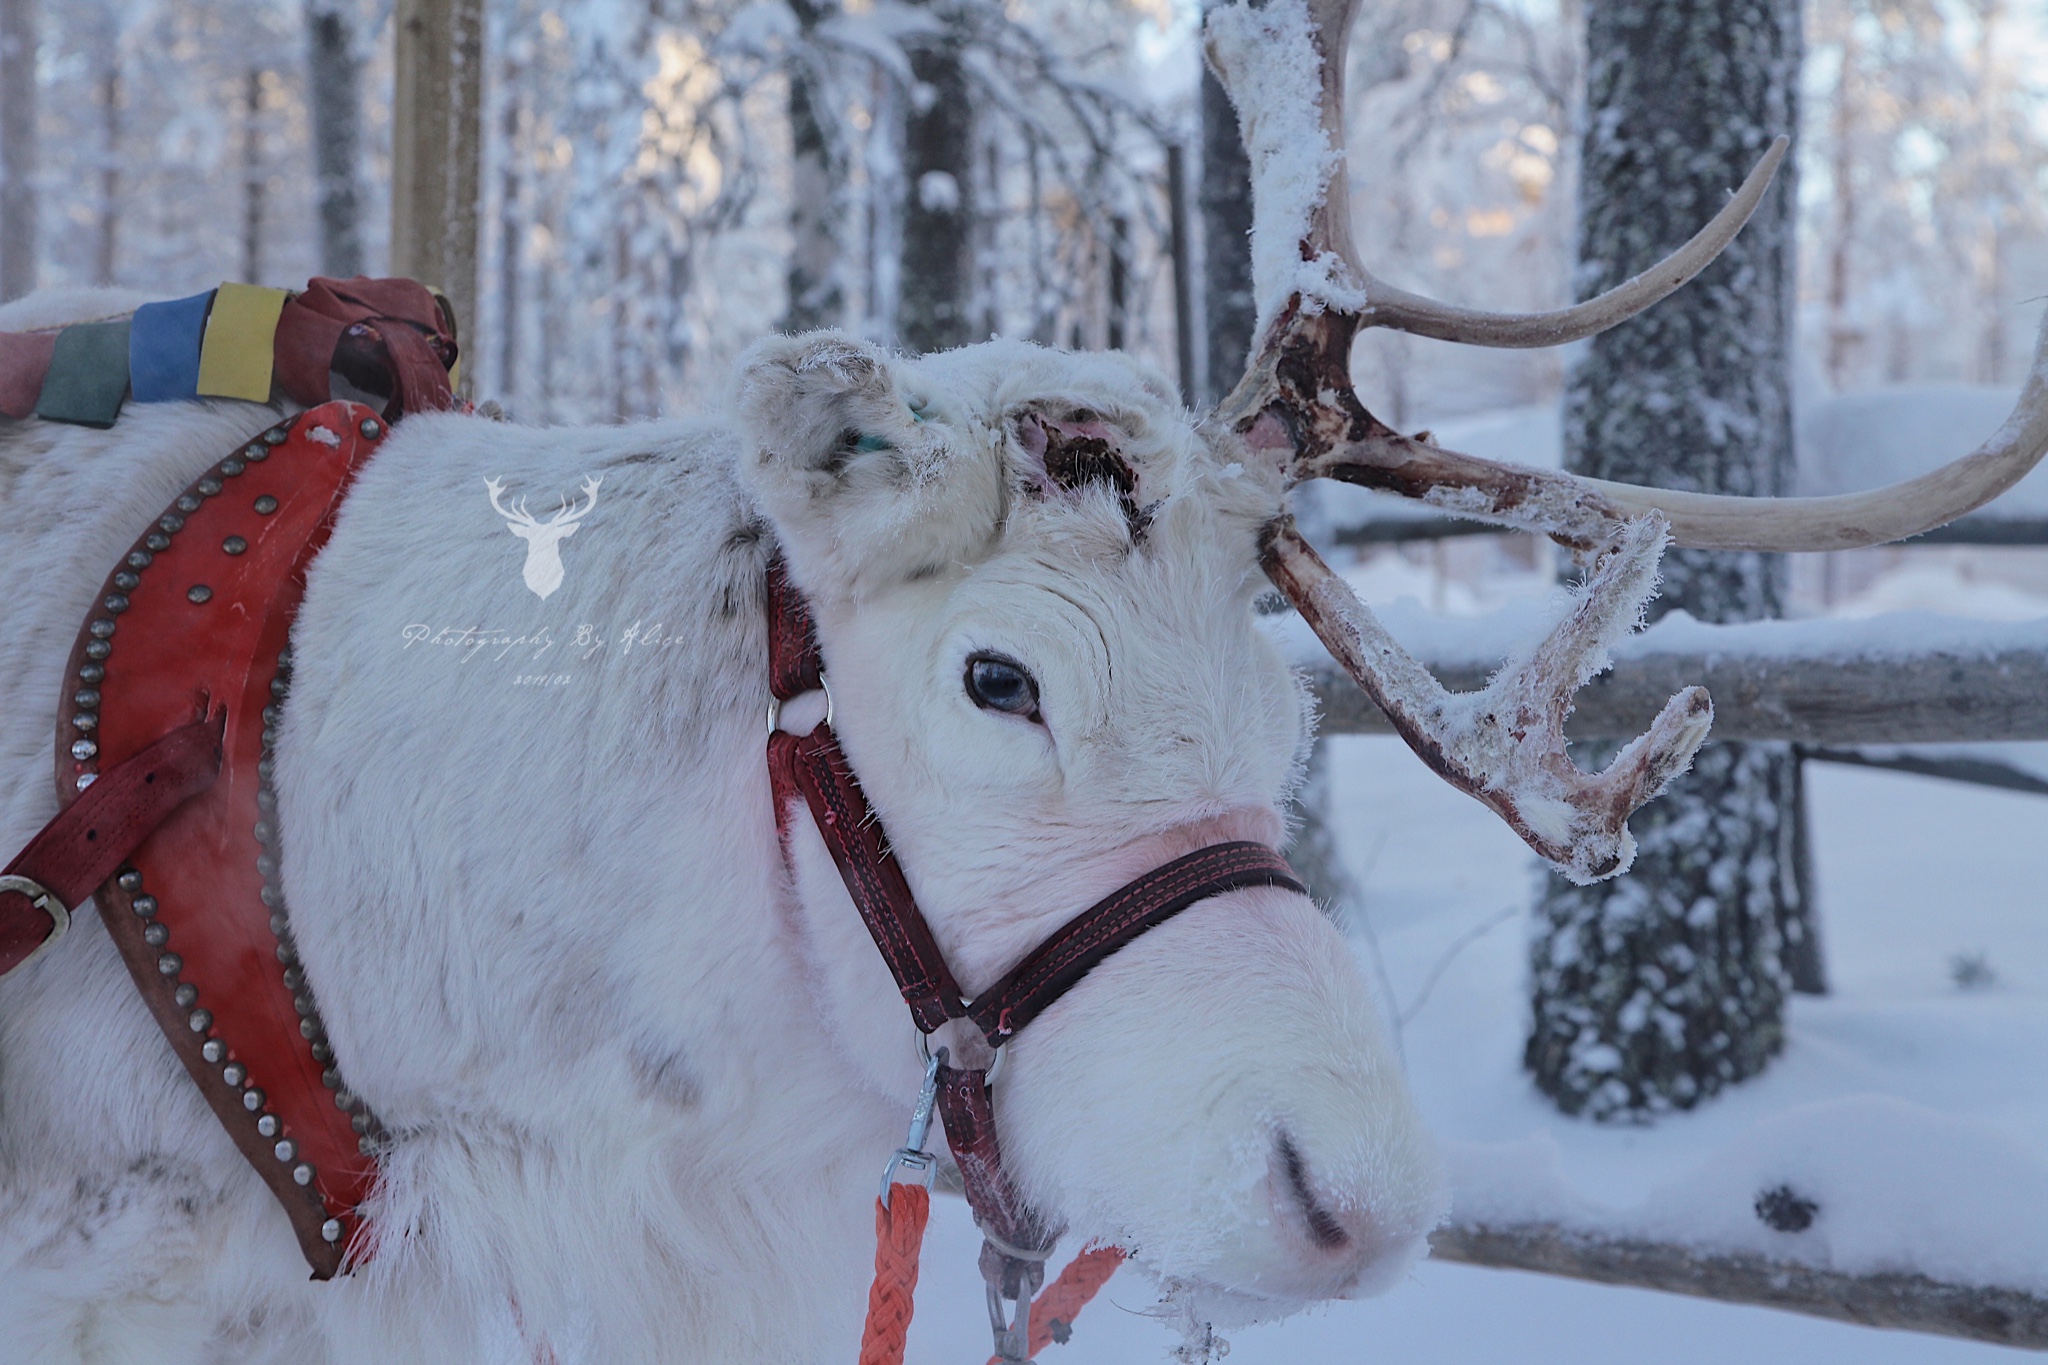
{"type": "Point", "coordinates": [1924, 218]}
{"type": "Point", "coordinates": [817, 183]}
{"type": "Point", "coordinates": [1655, 990]}
{"type": "Point", "coordinates": [1228, 308]}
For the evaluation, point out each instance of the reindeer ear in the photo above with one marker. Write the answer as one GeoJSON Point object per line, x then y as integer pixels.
{"type": "Point", "coordinates": [851, 475]}
{"type": "Point", "coordinates": [801, 395]}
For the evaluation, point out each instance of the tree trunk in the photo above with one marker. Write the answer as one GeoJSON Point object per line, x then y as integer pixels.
{"type": "Point", "coordinates": [1842, 337]}
{"type": "Point", "coordinates": [1229, 312]}
{"type": "Point", "coordinates": [935, 308]}
{"type": "Point", "coordinates": [436, 146]}
{"type": "Point", "coordinates": [1656, 989]}
{"type": "Point", "coordinates": [1183, 247]}
{"type": "Point", "coordinates": [253, 177]}
{"type": "Point", "coordinates": [18, 204]}
{"type": "Point", "coordinates": [817, 206]}
{"type": "Point", "coordinates": [335, 79]}
{"type": "Point", "coordinates": [511, 237]}
{"type": "Point", "coordinates": [108, 245]}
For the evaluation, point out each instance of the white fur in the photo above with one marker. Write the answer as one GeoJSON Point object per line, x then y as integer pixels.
{"type": "Point", "coordinates": [641, 1081]}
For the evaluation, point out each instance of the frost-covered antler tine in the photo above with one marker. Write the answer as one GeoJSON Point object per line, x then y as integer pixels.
{"type": "Point", "coordinates": [1506, 745]}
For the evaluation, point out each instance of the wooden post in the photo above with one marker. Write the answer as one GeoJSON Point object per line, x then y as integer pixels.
{"type": "Point", "coordinates": [18, 205]}
{"type": "Point", "coordinates": [436, 151]}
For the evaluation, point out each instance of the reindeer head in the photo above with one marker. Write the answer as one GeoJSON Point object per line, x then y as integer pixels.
{"type": "Point", "coordinates": [543, 571]}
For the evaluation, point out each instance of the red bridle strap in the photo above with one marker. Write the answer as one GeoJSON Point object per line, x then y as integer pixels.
{"type": "Point", "coordinates": [814, 765]}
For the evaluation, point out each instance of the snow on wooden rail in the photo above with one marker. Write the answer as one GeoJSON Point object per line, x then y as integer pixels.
{"type": "Point", "coordinates": [1912, 678]}
{"type": "Point", "coordinates": [1905, 1301]}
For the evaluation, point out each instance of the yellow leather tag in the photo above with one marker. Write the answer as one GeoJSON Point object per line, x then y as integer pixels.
{"type": "Point", "coordinates": [237, 357]}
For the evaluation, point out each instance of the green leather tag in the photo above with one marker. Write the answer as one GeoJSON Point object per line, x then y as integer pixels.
{"type": "Point", "coordinates": [88, 379]}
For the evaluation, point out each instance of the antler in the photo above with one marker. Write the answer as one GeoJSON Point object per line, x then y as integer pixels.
{"type": "Point", "coordinates": [1283, 64]}
{"type": "Point", "coordinates": [1505, 745]}
{"type": "Point", "coordinates": [1314, 296]}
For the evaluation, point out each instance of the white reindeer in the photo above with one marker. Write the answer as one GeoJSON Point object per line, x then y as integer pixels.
{"type": "Point", "coordinates": [640, 1074]}
{"type": "Point", "coordinates": [543, 570]}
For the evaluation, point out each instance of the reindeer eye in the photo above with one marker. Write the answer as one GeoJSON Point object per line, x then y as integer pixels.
{"type": "Point", "coordinates": [867, 445]}
{"type": "Point", "coordinates": [998, 684]}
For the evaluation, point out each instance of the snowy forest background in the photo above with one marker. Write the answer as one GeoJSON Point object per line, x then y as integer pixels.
{"type": "Point", "coordinates": [643, 206]}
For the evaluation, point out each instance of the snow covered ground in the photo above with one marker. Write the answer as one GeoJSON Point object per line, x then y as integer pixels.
{"type": "Point", "coordinates": [1914, 1110]}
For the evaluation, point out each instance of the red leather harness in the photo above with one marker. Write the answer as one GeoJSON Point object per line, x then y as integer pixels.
{"type": "Point", "coordinates": [1018, 1237]}
{"type": "Point", "coordinates": [165, 729]}
{"type": "Point", "coordinates": [168, 719]}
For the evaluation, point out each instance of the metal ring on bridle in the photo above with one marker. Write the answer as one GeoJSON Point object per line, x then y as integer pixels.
{"type": "Point", "coordinates": [995, 1066]}
{"type": "Point", "coordinates": [775, 705]}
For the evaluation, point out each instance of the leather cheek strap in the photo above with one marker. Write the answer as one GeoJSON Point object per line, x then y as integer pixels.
{"type": "Point", "coordinates": [95, 834]}
{"type": "Point", "coordinates": [815, 766]}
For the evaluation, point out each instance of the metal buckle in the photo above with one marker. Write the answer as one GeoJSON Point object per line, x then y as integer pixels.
{"type": "Point", "coordinates": [44, 900]}
{"type": "Point", "coordinates": [911, 1155]}
{"type": "Point", "coordinates": [1012, 1277]}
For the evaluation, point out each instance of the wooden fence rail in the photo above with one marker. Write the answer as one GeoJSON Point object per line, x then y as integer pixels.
{"type": "Point", "coordinates": [1910, 1302]}
{"type": "Point", "coordinates": [1839, 690]}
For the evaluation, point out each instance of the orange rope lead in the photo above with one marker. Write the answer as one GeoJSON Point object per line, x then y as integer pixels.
{"type": "Point", "coordinates": [899, 1236]}
{"type": "Point", "coordinates": [1053, 1312]}
{"type": "Point", "coordinates": [899, 1233]}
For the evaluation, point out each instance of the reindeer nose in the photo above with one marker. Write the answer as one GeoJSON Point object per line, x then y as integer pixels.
{"type": "Point", "coordinates": [1324, 1229]}
{"type": "Point", "coordinates": [1329, 1250]}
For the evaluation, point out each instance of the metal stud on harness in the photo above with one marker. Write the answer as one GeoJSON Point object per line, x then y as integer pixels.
{"type": "Point", "coordinates": [1017, 1238]}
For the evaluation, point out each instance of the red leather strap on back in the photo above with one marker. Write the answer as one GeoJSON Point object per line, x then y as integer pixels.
{"type": "Point", "coordinates": [98, 832]}
{"type": "Point", "coordinates": [1052, 968]}
{"type": "Point", "coordinates": [322, 329]}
